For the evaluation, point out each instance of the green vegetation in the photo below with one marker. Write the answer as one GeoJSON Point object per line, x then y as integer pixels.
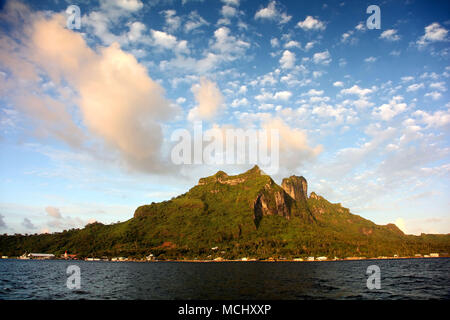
{"type": "Point", "coordinates": [247, 215]}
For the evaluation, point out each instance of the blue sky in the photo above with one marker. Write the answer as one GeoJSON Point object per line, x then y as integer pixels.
{"type": "Point", "coordinates": [86, 115]}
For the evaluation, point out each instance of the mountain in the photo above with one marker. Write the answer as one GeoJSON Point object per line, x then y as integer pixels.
{"type": "Point", "coordinates": [243, 215]}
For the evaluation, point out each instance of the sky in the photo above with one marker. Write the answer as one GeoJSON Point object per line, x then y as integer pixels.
{"type": "Point", "coordinates": [86, 115]}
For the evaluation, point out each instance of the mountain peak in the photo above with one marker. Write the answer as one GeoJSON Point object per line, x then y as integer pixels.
{"type": "Point", "coordinates": [296, 187]}
{"type": "Point", "coordinates": [220, 174]}
{"type": "Point", "coordinates": [254, 170]}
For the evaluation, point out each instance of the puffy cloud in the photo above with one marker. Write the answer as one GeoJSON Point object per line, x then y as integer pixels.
{"type": "Point", "coordinates": [239, 102]}
{"type": "Point", "coordinates": [292, 44]}
{"type": "Point", "coordinates": [435, 95]}
{"type": "Point", "coordinates": [351, 35]}
{"type": "Point", "coordinates": [287, 60]}
{"type": "Point", "coordinates": [119, 104]}
{"type": "Point", "coordinates": [438, 118]}
{"type": "Point", "coordinates": [338, 84]}
{"type": "Point", "coordinates": [194, 22]}
{"type": "Point", "coordinates": [209, 100]}
{"type": "Point", "coordinates": [228, 11]}
{"type": "Point", "coordinates": [100, 22]}
{"type": "Point", "coordinates": [280, 95]}
{"type": "Point", "coordinates": [433, 33]}
{"type": "Point", "coordinates": [274, 43]}
{"type": "Point", "coordinates": [390, 35]}
{"type": "Point", "coordinates": [129, 5]}
{"type": "Point", "coordinates": [295, 149]}
{"type": "Point", "coordinates": [310, 23]}
{"type": "Point", "coordinates": [309, 45]}
{"type": "Point", "coordinates": [322, 57]}
{"type": "Point", "coordinates": [389, 110]}
{"type": "Point", "coordinates": [53, 212]}
{"type": "Point", "coordinates": [228, 45]}
{"type": "Point", "coordinates": [231, 2]}
{"type": "Point", "coordinates": [168, 41]}
{"type": "Point", "coordinates": [172, 21]}
{"type": "Point", "coordinates": [313, 92]}
{"type": "Point", "coordinates": [362, 103]}
{"type": "Point", "coordinates": [439, 86]}
{"type": "Point", "coordinates": [271, 12]}
{"type": "Point", "coordinates": [357, 91]}
{"type": "Point", "coordinates": [163, 39]}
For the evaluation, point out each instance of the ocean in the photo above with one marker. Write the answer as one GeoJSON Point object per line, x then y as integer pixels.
{"type": "Point", "coordinates": [399, 279]}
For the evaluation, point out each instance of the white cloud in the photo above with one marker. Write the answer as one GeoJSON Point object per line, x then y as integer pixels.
{"type": "Point", "coordinates": [272, 13]}
{"type": "Point", "coordinates": [194, 22]}
{"type": "Point", "coordinates": [228, 11]}
{"type": "Point", "coordinates": [243, 89]}
{"type": "Point", "coordinates": [370, 59]}
{"type": "Point", "coordinates": [310, 45]}
{"type": "Point", "coordinates": [438, 118]}
{"type": "Point", "coordinates": [390, 35]}
{"type": "Point", "coordinates": [231, 2]}
{"type": "Point", "coordinates": [434, 95]}
{"type": "Point", "coordinates": [310, 23]}
{"type": "Point", "coordinates": [292, 44]}
{"type": "Point", "coordinates": [322, 57]}
{"type": "Point", "coordinates": [282, 95]}
{"type": "Point", "coordinates": [433, 33]}
{"type": "Point", "coordinates": [438, 86]}
{"type": "Point", "coordinates": [295, 149]}
{"type": "Point", "coordinates": [313, 92]}
{"type": "Point", "coordinates": [240, 102]}
{"type": "Point", "coordinates": [181, 100]}
{"type": "Point", "coordinates": [228, 45]}
{"type": "Point", "coordinates": [362, 103]}
{"type": "Point", "coordinates": [407, 78]}
{"type": "Point", "coordinates": [130, 5]}
{"type": "Point", "coordinates": [351, 35]}
{"type": "Point", "coordinates": [338, 84]}
{"type": "Point", "coordinates": [287, 60]}
{"type": "Point", "coordinates": [172, 21]}
{"type": "Point", "coordinates": [414, 87]}
{"type": "Point", "coordinates": [163, 39]}
{"type": "Point", "coordinates": [274, 43]}
{"type": "Point", "coordinates": [389, 110]}
{"type": "Point", "coordinates": [209, 100]}
{"type": "Point", "coordinates": [356, 90]}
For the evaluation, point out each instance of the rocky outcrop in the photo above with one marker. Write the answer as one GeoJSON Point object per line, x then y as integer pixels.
{"type": "Point", "coordinates": [223, 178]}
{"type": "Point", "coordinates": [314, 196]}
{"type": "Point", "coordinates": [271, 203]}
{"type": "Point", "coordinates": [296, 187]}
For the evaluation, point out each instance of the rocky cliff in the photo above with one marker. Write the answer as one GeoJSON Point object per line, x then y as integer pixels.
{"type": "Point", "coordinates": [296, 187]}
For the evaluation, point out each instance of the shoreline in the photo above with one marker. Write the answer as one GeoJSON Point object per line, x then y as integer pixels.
{"type": "Point", "coordinates": [221, 261]}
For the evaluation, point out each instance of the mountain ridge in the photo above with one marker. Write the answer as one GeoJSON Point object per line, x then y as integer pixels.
{"type": "Point", "coordinates": [247, 214]}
